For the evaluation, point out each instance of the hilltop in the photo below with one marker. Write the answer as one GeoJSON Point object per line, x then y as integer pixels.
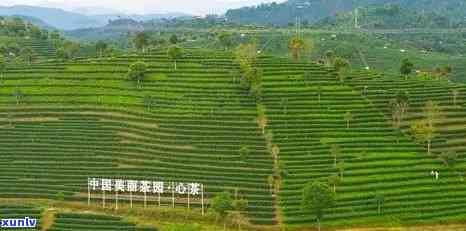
{"type": "Point", "coordinates": [68, 20]}
{"type": "Point", "coordinates": [313, 10]}
{"type": "Point", "coordinates": [390, 16]}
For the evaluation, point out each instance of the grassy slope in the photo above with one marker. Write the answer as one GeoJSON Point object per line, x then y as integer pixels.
{"type": "Point", "coordinates": [93, 122]}
{"type": "Point", "coordinates": [86, 119]}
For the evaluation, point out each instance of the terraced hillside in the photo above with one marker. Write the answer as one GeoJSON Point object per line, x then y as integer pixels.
{"type": "Point", "coordinates": [64, 123]}
{"type": "Point", "coordinates": [449, 96]}
{"type": "Point", "coordinates": [88, 120]}
{"type": "Point", "coordinates": [374, 159]}
{"type": "Point", "coordinates": [81, 221]}
{"type": "Point", "coordinates": [42, 49]}
{"type": "Point", "coordinates": [10, 211]}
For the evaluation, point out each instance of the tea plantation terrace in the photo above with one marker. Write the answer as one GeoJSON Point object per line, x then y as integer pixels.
{"type": "Point", "coordinates": [86, 119]}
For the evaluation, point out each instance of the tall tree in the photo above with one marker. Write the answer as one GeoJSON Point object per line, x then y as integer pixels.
{"type": "Point", "coordinates": [340, 64]}
{"type": "Point", "coordinates": [348, 118]}
{"type": "Point", "coordinates": [100, 47]}
{"type": "Point", "coordinates": [174, 39]}
{"type": "Point", "coordinates": [271, 182]}
{"type": "Point", "coordinates": [222, 203]}
{"type": "Point", "coordinates": [55, 35]}
{"type": "Point", "coordinates": [252, 81]}
{"type": "Point", "coordinates": [71, 49]}
{"type": "Point", "coordinates": [423, 133]}
{"type": "Point", "coordinates": [246, 56]}
{"type": "Point", "coordinates": [175, 53]}
{"type": "Point", "coordinates": [140, 41]}
{"type": "Point", "coordinates": [455, 93]}
{"type": "Point", "coordinates": [60, 54]}
{"type": "Point", "coordinates": [244, 152]}
{"type": "Point", "coordinates": [18, 96]}
{"type": "Point", "coordinates": [399, 106]}
{"type": "Point", "coordinates": [317, 197]}
{"type": "Point", "coordinates": [329, 58]}
{"type": "Point", "coordinates": [443, 72]}
{"type": "Point", "coordinates": [2, 66]}
{"type": "Point", "coordinates": [379, 200]}
{"type": "Point", "coordinates": [27, 55]}
{"type": "Point", "coordinates": [240, 207]}
{"type": "Point", "coordinates": [334, 180]}
{"type": "Point", "coordinates": [336, 153]}
{"type": "Point", "coordinates": [296, 46]}
{"type": "Point", "coordinates": [341, 168]}
{"type": "Point", "coordinates": [226, 39]}
{"type": "Point", "coordinates": [406, 68]}
{"type": "Point", "coordinates": [262, 120]}
{"type": "Point", "coordinates": [432, 112]}
{"type": "Point", "coordinates": [137, 71]}
{"type": "Point", "coordinates": [319, 92]}
{"type": "Point", "coordinates": [449, 158]}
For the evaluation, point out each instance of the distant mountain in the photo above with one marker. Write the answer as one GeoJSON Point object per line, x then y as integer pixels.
{"type": "Point", "coordinates": [90, 11]}
{"type": "Point", "coordinates": [67, 20]}
{"type": "Point", "coordinates": [36, 21]}
{"type": "Point", "coordinates": [58, 18]}
{"type": "Point", "coordinates": [314, 10]}
{"type": "Point", "coordinates": [138, 17]}
{"type": "Point", "coordinates": [389, 16]}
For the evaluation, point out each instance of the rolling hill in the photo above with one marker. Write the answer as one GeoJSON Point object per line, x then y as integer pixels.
{"type": "Point", "coordinates": [314, 10]}
{"type": "Point", "coordinates": [65, 122]}
{"type": "Point", "coordinates": [68, 20]}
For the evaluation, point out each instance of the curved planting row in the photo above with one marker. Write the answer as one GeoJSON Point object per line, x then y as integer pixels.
{"type": "Point", "coordinates": [61, 127]}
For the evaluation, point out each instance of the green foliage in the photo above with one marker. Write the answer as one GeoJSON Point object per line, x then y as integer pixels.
{"type": "Point", "coordinates": [432, 112]}
{"type": "Point", "coordinates": [174, 53]}
{"type": "Point", "coordinates": [282, 169]}
{"type": "Point", "coordinates": [70, 49]}
{"type": "Point", "coordinates": [2, 63]}
{"type": "Point", "coordinates": [334, 180]}
{"type": "Point", "coordinates": [449, 158]}
{"type": "Point", "coordinates": [443, 72]}
{"type": "Point", "coordinates": [55, 35]}
{"type": "Point", "coordinates": [183, 227]}
{"type": "Point", "coordinates": [244, 152]}
{"type": "Point", "coordinates": [316, 198]}
{"type": "Point", "coordinates": [297, 46]}
{"type": "Point", "coordinates": [246, 56]}
{"type": "Point", "coordinates": [251, 81]}
{"type": "Point", "coordinates": [222, 203]}
{"type": "Point", "coordinates": [379, 200]}
{"type": "Point", "coordinates": [335, 150]}
{"type": "Point", "coordinates": [348, 118]}
{"type": "Point", "coordinates": [60, 196]}
{"type": "Point", "coordinates": [226, 39]}
{"type": "Point", "coordinates": [174, 39]}
{"type": "Point", "coordinates": [423, 132]}
{"type": "Point", "coordinates": [399, 107]}
{"type": "Point", "coordinates": [340, 64]}
{"type": "Point", "coordinates": [27, 55]}
{"type": "Point", "coordinates": [141, 41]}
{"type": "Point", "coordinates": [137, 71]}
{"type": "Point", "coordinates": [61, 54]}
{"type": "Point", "coordinates": [240, 205]}
{"type": "Point", "coordinates": [100, 47]}
{"type": "Point", "coordinates": [406, 67]}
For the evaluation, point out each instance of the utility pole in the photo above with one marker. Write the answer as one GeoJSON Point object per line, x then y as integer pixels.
{"type": "Point", "coordinates": [296, 25]}
{"type": "Point", "coordinates": [356, 18]}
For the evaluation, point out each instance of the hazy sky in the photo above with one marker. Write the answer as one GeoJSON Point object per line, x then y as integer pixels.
{"type": "Point", "coordinates": [143, 6]}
